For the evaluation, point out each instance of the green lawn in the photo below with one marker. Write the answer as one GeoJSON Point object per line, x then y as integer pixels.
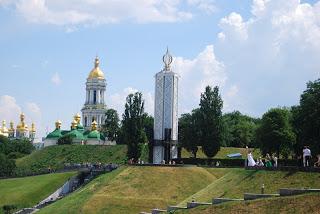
{"type": "Point", "coordinates": [56, 156]}
{"type": "Point", "coordinates": [136, 189]}
{"type": "Point", "coordinates": [224, 151]}
{"type": "Point", "coordinates": [28, 191]}
{"type": "Point", "coordinates": [294, 204]}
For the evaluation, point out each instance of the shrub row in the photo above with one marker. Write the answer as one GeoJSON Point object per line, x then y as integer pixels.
{"type": "Point", "coordinates": [231, 162]}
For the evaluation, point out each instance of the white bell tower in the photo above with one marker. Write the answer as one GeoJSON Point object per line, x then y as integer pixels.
{"type": "Point", "coordinates": [94, 107]}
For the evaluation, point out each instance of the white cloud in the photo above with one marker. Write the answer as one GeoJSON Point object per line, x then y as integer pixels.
{"type": "Point", "coordinates": [118, 100]}
{"type": "Point", "coordinates": [207, 6]}
{"type": "Point", "coordinates": [94, 12]}
{"type": "Point", "coordinates": [271, 55]}
{"type": "Point", "coordinates": [195, 75]}
{"type": "Point", "coordinates": [233, 26]}
{"type": "Point", "coordinates": [9, 109]}
{"type": "Point", "coordinates": [55, 79]}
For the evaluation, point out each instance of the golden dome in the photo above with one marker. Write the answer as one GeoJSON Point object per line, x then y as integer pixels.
{"type": "Point", "coordinates": [22, 126]}
{"type": "Point", "coordinates": [94, 125]}
{"type": "Point", "coordinates": [77, 118]}
{"type": "Point", "coordinates": [74, 124]}
{"type": "Point", "coordinates": [58, 124]}
{"type": "Point", "coordinates": [96, 73]}
{"type": "Point", "coordinates": [11, 129]}
{"type": "Point", "coordinates": [33, 128]}
{"type": "Point", "coordinates": [4, 128]}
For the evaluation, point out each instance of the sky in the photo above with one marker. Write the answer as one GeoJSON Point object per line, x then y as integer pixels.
{"type": "Point", "coordinates": [261, 53]}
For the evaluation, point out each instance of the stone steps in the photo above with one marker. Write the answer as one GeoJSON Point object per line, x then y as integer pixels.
{"type": "Point", "coordinates": [292, 191]}
{"type": "Point", "coordinates": [223, 200]}
{"type": "Point", "coordinates": [253, 196]}
{"type": "Point", "coordinates": [196, 204]}
{"type": "Point", "coordinates": [246, 197]}
{"type": "Point", "coordinates": [157, 211]}
{"type": "Point", "coordinates": [172, 208]}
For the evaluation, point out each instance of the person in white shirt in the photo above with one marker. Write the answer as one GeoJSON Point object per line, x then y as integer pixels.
{"type": "Point", "coordinates": [306, 156]}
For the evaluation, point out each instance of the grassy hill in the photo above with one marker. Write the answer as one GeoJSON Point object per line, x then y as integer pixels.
{"type": "Point", "coordinates": [56, 156]}
{"type": "Point", "coordinates": [294, 204]}
{"type": "Point", "coordinates": [136, 189]}
{"type": "Point", "coordinates": [28, 191]}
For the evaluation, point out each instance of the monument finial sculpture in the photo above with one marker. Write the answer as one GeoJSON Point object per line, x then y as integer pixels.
{"type": "Point", "coordinates": [167, 60]}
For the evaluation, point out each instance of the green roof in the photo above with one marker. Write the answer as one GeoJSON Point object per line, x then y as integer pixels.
{"type": "Point", "coordinates": [55, 134]}
{"type": "Point", "coordinates": [94, 135]}
{"type": "Point", "coordinates": [76, 134]}
{"type": "Point", "coordinates": [80, 128]}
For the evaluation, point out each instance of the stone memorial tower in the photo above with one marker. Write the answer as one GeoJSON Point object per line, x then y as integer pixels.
{"type": "Point", "coordinates": [165, 113]}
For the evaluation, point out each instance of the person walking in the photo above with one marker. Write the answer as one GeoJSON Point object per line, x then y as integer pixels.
{"type": "Point", "coordinates": [306, 156]}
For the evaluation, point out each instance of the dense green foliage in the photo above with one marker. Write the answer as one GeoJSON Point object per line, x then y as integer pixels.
{"type": "Point", "coordinates": [111, 127]}
{"type": "Point", "coordinates": [7, 166]}
{"type": "Point", "coordinates": [239, 130]}
{"type": "Point", "coordinates": [189, 131]}
{"type": "Point", "coordinates": [133, 125]}
{"type": "Point", "coordinates": [28, 191]}
{"type": "Point", "coordinates": [22, 146]}
{"type": "Point", "coordinates": [211, 135]}
{"type": "Point", "coordinates": [56, 156]}
{"type": "Point", "coordinates": [65, 140]}
{"type": "Point", "coordinates": [148, 128]}
{"type": "Point", "coordinates": [275, 134]}
{"type": "Point", "coordinates": [306, 119]}
{"type": "Point", "coordinates": [12, 149]}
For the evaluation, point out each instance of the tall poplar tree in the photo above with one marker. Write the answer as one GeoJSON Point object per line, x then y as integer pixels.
{"type": "Point", "coordinates": [211, 123]}
{"type": "Point", "coordinates": [133, 125]}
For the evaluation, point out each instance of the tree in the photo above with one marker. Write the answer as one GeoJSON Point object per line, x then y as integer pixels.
{"type": "Point", "coordinates": [210, 112]}
{"type": "Point", "coordinates": [148, 128]}
{"type": "Point", "coordinates": [133, 125]}
{"type": "Point", "coordinates": [7, 166]}
{"type": "Point", "coordinates": [189, 131]}
{"type": "Point", "coordinates": [275, 133]}
{"type": "Point", "coordinates": [239, 129]}
{"type": "Point", "coordinates": [306, 118]}
{"type": "Point", "coordinates": [65, 140]}
{"type": "Point", "coordinates": [21, 146]}
{"type": "Point", "coordinates": [110, 128]}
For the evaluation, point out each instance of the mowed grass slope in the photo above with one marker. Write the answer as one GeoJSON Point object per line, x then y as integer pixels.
{"type": "Point", "coordinates": [238, 181]}
{"type": "Point", "coordinates": [28, 191]}
{"type": "Point", "coordinates": [136, 189]}
{"type": "Point", "coordinates": [294, 204]}
{"type": "Point", "coordinates": [56, 156]}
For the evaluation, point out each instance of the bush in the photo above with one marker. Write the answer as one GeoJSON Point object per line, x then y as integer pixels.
{"type": "Point", "coordinates": [65, 140]}
{"type": "Point", "coordinates": [232, 162]}
{"type": "Point", "coordinates": [9, 208]}
{"type": "Point", "coordinates": [15, 155]}
{"type": "Point", "coordinates": [7, 166]}
{"type": "Point", "coordinates": [212, 162]}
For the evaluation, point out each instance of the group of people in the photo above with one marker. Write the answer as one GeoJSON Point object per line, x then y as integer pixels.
{"type": "Point", "coordinates": [268, 161]}
{"type": "Point", "coordinates": [272, 161]}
